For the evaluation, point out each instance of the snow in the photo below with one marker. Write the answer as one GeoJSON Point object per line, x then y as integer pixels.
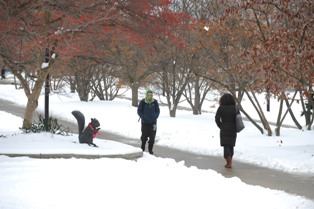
{"type": "Point", "coordinates": [20, 143]}
{"type": "Point", "coordinates": [115, 183]}
{"type": "Point", "coordinates": [44, 65]}
{"type": "Point", "coordinates": [53, 56]}
{"type": "Point", "coordinates": [149, 181]}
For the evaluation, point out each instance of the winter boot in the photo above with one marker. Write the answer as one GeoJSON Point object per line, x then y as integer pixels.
{"type": "Point", "coordinates": [229, 162]}
{"type": "Point", "coordinates": [143, 146]}
{"type": "Point", "coordinates": [150, 148]}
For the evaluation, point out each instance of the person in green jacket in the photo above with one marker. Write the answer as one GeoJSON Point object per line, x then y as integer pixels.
{"type": "Point", "coordinates": [148, 110]}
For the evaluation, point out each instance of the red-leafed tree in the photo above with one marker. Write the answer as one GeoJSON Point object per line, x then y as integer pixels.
{"type": "Point", "coordinates": [32, 33]}
{"type": "Point", "coordinates": [284, 57]}
{"type": "Point", "coordinates": [225, 38]}
{"type": "Point", "coordinates": [262, 45]}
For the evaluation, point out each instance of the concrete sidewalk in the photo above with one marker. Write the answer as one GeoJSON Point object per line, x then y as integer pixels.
{"type": "Point", "coordinates": [302, 185]}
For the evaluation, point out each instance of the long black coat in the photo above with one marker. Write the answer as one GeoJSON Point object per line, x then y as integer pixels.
{"type": "Point", "coordinates": [225, 120]}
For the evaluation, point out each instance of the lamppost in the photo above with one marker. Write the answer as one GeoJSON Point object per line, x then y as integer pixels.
{"type": "Point", "coordinates": [47, 91]}
{"type": "Point", "coordinates": [47, 87]}
{"type": "Point", "coordinates": [49, 54]}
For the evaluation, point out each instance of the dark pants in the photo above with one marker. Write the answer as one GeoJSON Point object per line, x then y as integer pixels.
{"type": "Point", "coordinates": [228, 151]}
{"type": "Point", "coordinates": [148, 132]}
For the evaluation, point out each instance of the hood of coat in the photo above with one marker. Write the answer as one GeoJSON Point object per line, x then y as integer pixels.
{"type": "Point", "coordinates": [148, 99]}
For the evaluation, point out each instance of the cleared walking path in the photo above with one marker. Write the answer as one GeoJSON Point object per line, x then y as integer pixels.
{"type": "Point", "coordinates": [251, 174]}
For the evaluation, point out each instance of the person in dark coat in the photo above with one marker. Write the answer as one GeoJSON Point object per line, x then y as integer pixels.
{"type": "Point", "coordinates": [3, 73]}
{"type": "Point", "coordinates": [148, 110]}
{"type": "Point", "coordinates": [225, 120]}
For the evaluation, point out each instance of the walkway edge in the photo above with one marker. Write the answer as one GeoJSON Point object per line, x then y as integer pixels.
{"type": "Point", "coordinates": [127, 156]}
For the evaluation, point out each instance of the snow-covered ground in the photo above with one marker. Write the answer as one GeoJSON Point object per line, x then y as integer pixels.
{"type": "Point", "coordinates": [293, 151]}
{"type": "Point", "coordinates": [150, 181]}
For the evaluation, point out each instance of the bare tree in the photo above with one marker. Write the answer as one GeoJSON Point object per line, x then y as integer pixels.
{"type": "Point", "coordinates": [105, 82]}
{"type": "Point", "coordinates": [133, 66]}
{"type": "Point", "coordinates": [82, 75]}
{"type": "Point", "coordinates": [195, 93]}
{"type": "Point", "coordinates": [173, 79]}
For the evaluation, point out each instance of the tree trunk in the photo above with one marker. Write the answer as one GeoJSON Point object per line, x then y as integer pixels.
{"type": "Point", "coordinates": [260, 113]}
{"type": "Point", "coordinates": [311, 122]}
{"type": "Point", "coordinates": [196, 110]}
{"type": "Point", "coordinates": [72, 84]}
{"type": "Point", "coordinates": [163, 81]}
{"type": "Point", "coordinates": [291, 114]}
{"type": "Point", "coordinates": [253, 121]}
{"type": "Point", "coordinates": [134, 89]}
{"type": "Point", "coordinates": [83, 85]}
{"type": "Point", "coordinates": [197, 99]}
{"type": "Point", "coordinates": [308, 114]}
{"type": "Point", "coordinates": [32, 99]}
{"type": "Point", "coordinates": [277, 130]}
{"type": "Point", "coordinates": [279, 123]}
{"type": "Point", "coordinates": [263, 117]}
{"type": "Point", "coordinates": [31, 106]}
{"type": "Point", "coordinates": [173, 112]}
